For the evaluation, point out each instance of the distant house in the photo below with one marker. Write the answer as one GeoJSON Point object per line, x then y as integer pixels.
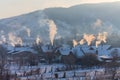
{"type": "Point", "coordinates": [57, 56]}
{"type": "Point", "coordinates": [64, 50]}
{"type": "Point", "coordinates": [75, 52]}
{"type": "Point", "coordinates": [25, 58]}
{"type": "Point", "coordinates": [68, 59]}
{"type": "Point", "coordinates": [12, 50]}
{"type": "Point", "coordinates": [49, 53]}
{"type": "Point", "coordinates": [103, 52]}
{"type": "Point", "coordinates": [102, 49]}
{"type": "Point", "coordinates": [23, 55]}
{"type": "Point", "coordinates": [80, 51]}
{"type": "Point", "coordinates": [66, 55]}
{"type": "Point", "coordinates": [115, 53]}
{"type": "Point", "coordinates": [47, 48]}
{"type": "Point", "coordinates": [88, 50]}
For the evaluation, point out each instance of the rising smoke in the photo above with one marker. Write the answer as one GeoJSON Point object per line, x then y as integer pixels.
{"type": "Point", "coordinates": [82, 41]}
{"type": "Point", "coordinates": [89, 38]}
{"type": "Point", "coordinates": [102, 37]}
{"type": "Point", "coordinates": [14, 40]}
{"type": "Point", "coordinates": [52, 30]}
{"type": "Point", "coordinates": [28, 31]}
{"type": "Point", "coordinates": [97, 23]}
{"type": "Point", "coordinates": [38, 40]}
{"type": "Point", "coordinates": [75, 43]}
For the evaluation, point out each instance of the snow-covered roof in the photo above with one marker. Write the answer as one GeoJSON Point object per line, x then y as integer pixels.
{"type": "Point", "coordinates": [46, 48]}
{"type": "Point", "coordinates": [65, 45]}
{"type": "Point", "coordinates": [114, 49]}
{"type": "Point", "coordinates": [101, 46]}
{"type": "Point", "coordinates": [21, 49]}
{"type": "Point", "coordinates": [81, 50]}
{"type": "Point", "coordinates": [103, 50]}
{"type": "Point", "coordinates": [105, 56]}
{"type": "Point", "coordinates": [88, 50]}
{"type": "Point", "coordinates": [76, 50]}
{"type": "Point", "coordinates": [64, 50]}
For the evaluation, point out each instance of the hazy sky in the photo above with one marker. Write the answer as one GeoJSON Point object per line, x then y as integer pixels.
{"type": "Point", "coordinates": [16, 7]}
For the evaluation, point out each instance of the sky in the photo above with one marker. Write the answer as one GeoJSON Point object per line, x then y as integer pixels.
{"type": "Point", "coordinates": [9, 8]}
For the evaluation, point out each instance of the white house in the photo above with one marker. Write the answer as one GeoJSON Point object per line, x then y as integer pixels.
{"type": "Point", "coordinates": [103, 51]}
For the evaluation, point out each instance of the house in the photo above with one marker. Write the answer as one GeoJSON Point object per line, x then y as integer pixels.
{"type": "Point", "coordinates": [64, 50]}
{"type": "Point", "coordinates": [81, 50]}
{"type": "Point", "coordinates": [88, 49]}
{"type": "Point", "coordinates": [103, 52]}
{"type": "Point", "coordinates": [77, 51]}
{"type": "Point", "coordinates": [68, 59]}
{"type": "Point", "coordinates": [49, 53]}
{"type": "Point", "coordinates": [11, 50]}
{"type": "Point", "coordinates": [115, 52]}
{"type": "Point", "coordinates": [23, 55]}
{"type": "Point", "coordinates": [66, 55]}
{"type": "Point", "coordinates": [102, 49]}
{"type": "Point", "coordinates": [25, 58]}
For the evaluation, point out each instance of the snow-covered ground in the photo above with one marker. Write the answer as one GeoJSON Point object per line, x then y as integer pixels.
{"type": "Point", "coordinates": [48, 72]}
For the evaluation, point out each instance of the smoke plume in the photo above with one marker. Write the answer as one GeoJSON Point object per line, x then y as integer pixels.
{"type": "Point", "coordinates": [102, 37]}
{"type": "Point", "coordinates": [98, 23]}
{"type": "Point", "coordinates": [97, 43]}
{"type": "Point", "coordinates": [82, 41]}
{"type": "Point", "coordinates": [52, 30]}
{"type": "Point", "coordinates": [2, 39]}
{"type": "Point", "coordinates": [38, 40]}
{"type": "Point", "coordinates": [28, 31]}
{"type": "Point", "coordinates": [75, 43]}
{"type": "Point", "coordinates": [89, 38]}
{"type": "Point", "coordinates": [14, 39]}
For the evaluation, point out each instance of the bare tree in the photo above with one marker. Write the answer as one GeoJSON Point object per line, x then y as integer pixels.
{"type": "Point", "coordinates": [49, 57]}
{"type": "Point", "coordinates": [112, 66]}
{"type": "Point", "coordinates": [3, 59]}
{"type": "Point", "coordinates": [89, 60]}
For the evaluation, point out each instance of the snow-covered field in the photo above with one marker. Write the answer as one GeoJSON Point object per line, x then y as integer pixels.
{"type": "Point", "coordinates": [50, 72]}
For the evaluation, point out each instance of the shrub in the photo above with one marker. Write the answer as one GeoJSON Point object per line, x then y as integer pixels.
{"type": "Point", "coordinates": [89, 60]}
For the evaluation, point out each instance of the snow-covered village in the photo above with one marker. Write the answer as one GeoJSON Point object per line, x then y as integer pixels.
{"type": "Point", "coordinates": [59, 40]}
{"type": "Point", "coordinates": [88, 57]}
